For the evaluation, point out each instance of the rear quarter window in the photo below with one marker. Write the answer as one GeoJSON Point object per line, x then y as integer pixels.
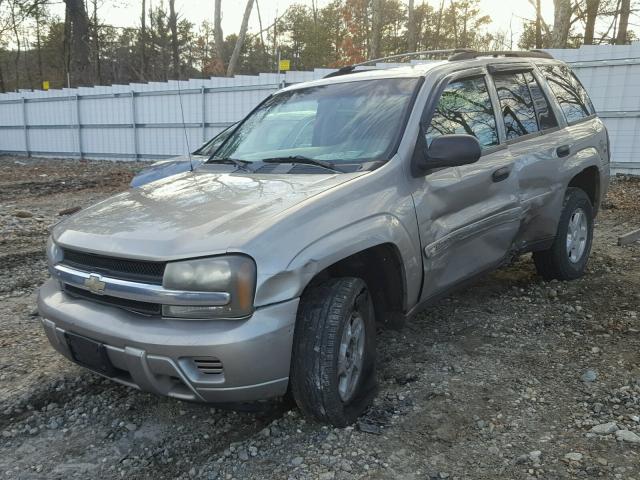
{"type": "Point", "coordinates": [569, 92]}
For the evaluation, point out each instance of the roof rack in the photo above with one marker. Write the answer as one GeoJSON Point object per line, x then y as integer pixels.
{"type": "Point", "coordinates": [470, 54]}
{"type": "Point", "coordinates": [451, 54]}
{"type": "Point", "coordinates": [444, 54]}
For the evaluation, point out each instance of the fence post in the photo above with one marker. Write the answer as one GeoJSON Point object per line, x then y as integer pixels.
{"type": "Point", "coordinates": [204, 126]}
{"type": "Point", "coordinates": [26, 127]}
{"type": "Point", "coordinates": [78, 125]}
{"type": "Point", "coordinates": [133, 125]}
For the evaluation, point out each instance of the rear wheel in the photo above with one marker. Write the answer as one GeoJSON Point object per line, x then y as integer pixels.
{"type": "Point", "coordinates": [568, 256]}
{"type": "Point", "coordinates": [333, 366]}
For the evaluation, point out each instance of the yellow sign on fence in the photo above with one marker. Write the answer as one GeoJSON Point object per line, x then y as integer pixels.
{"type": "Point", "coordinates": [45, 85]}
{"type": "Point", "coordinates": [285, 65]}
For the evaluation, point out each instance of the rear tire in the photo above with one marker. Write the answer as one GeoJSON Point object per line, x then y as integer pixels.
{"type": "Point", "coordinates": [333, 365]}
{"type": "Point", "coordinates": [568, 256]}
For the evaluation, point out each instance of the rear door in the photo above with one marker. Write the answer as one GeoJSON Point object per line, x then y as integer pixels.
{"type": "Point", "coordinates": [468, 216]}
{"type": "Point", "coordinates": [584, 136]}
{"type": "Point", "coordinates": [535, 141]}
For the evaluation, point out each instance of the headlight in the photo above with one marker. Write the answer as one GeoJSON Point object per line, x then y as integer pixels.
{"type": "Point", "coordinates": [232, 274]}
{"type": "Point", "coordinates": [54, 253]}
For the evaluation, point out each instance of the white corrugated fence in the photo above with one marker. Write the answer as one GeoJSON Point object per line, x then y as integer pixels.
{"type": "Point", "coordinates": [144, 121]}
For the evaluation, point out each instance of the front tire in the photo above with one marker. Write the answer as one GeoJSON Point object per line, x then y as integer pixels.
{"type": "Point", "coordinates": [333, 365]}
{"type": "Point", "coordinates": [568, 256]}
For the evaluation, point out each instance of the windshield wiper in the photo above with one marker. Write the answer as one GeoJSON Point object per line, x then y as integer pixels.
{"type": "Point", "coordinates": [303, 160]}
{"type": "Point", "coordinates": [242, 164]}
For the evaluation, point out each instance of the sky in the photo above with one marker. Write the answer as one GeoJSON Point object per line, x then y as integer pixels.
{"type": "Point", "coordinates": [507, 15]}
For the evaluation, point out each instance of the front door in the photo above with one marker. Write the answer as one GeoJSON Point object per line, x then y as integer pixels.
{"type": "Point", "coordinates": [468, 216]}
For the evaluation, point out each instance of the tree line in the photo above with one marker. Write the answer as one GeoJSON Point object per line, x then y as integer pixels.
{"type": "Point", "coordinates": [83, 49]}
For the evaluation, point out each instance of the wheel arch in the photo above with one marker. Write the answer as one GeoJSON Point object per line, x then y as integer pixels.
{"type": "Point", "coordinates": [588, 180]}
{"type": "Point", "coordinates": [379, 248]}
{"type": "Point", "coordinates": [382, 270]}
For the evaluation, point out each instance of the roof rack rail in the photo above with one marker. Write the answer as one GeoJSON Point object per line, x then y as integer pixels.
{"type": "Point", "coordinates": [451, 54]}
{"type": "Point", "coordinates": [542, 52]}
{"type": "Point", "coordinates": [471, 54]}
{"type": "Point", "coordinates": [444, 54]}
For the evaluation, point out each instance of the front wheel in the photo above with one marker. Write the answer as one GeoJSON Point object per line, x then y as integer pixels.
{"type": "Point", "coordinates": [568, 256]}
{"type": "Point", "coordinates": [333, 365]}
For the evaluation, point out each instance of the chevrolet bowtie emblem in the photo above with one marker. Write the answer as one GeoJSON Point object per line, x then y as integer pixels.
{"type": "Point", "coordinates": [95, 284]}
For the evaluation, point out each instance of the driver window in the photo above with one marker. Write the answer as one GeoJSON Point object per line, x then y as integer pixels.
{"type": "Point", "coordinates": [465, 108]}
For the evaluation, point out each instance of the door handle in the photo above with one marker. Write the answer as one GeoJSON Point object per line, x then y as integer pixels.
{"type": "Point", "coordinates": [501, 174]}
{"type": "Point", "coordinates": [563, 150]}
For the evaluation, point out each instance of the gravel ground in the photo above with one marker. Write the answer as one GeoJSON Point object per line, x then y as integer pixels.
{"type": "Point", "coordinates": [513, 378]}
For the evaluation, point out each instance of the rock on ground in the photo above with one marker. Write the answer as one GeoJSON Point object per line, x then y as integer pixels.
{"type": "Point", "coordinates": [484, 385]}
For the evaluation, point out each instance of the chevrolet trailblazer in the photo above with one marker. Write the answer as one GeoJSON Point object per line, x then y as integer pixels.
{"type": "Point", "coordinates": [265, 270]}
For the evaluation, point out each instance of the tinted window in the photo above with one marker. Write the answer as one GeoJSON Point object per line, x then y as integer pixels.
{"type": "Point", "coordinates": [516, 105]}
{"type": "Point", "coordinates": [465, 107]}
{"type": "Point", "coordinates": [546, 117]}
{"type": "Point", "coordinates": [571, 95]}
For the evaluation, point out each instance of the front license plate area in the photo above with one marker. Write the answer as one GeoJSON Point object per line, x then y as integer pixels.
{"type": "Point", "coordinates": [90, 354]}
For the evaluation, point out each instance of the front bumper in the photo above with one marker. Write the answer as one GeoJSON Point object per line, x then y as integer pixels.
{"type": "Point", "coordinates": [161, 355]}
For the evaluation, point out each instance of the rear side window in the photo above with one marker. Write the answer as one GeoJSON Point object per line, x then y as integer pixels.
{"type": "Point", "coordinates": [465, 107]}
{"type": "Point", "coordinates": [544, 112]}
{"type": "Point", "coordinates": [516, 104]}
{"type": "Point", "coordinates": [571, 95]}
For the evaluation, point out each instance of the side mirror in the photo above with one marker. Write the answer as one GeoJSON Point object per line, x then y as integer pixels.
{"type": "Point", "coordinates": [445, 151]}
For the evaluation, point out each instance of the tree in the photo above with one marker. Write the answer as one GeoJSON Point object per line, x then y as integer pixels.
{"type": "Point", "coordinates": [437, 44]}
{"type": "Point", "coordinates": [160, 42]}
{"type": "Point", "coordinates": [539, 24]}
{"type": "Point", "coordinates": [298, 26]}
{"type": "Point", "coordinates": [528, 39]}
{"type": "Point", "coordinates": [461, 26]}
{"type": "Point", "coordinates": [77, 41]}
{"type": "Point", "coordinates": [411, 27]}
{"type": "Point", "coordinates": [332, 25]}
{"type": "Point", "coordinates": [14, 26]}
{"type": "Point", "coordinates": [623, 25]}
{"type": "Point", "coordinates": [142, 40]}
{"type": "Point", "coordinates": [561, 23]}
{"type": "Point", "coordinates": [16, 16]}
{"type": "Point", "coordinates": [95, 29]}
{"type": "Point", "coordinates": [38, 17]}
{"type": "Point", "coordinates": [35, 45]}
{"type": "Point", "coordinates": [233, 62]}
{"type": "Point", "coordinates": [173, 26]}
{"type": "Point", "coordinates": [591, 14]}
{"type": "Point", "coordinates": [219, 37]}
{"type": "Point", "coordinates": [376, 29]}
{"type": "Point", "coordinates": [393, 28]}
{"type": "Point", "coordinates": [356, 17]}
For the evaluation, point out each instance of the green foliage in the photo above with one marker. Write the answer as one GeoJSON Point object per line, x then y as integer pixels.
{"type": "Point", "coordinates": [309, 36]}
{"type": "Point", "coordinates": [528, 38]}
{"type": "Point", "coordinates": [334, 35]}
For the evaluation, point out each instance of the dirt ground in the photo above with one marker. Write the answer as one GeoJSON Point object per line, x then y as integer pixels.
{"type": "Point", "coordinates": [513, 378]}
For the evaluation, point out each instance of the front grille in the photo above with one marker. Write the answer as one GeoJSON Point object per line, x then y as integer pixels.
{"type": "Point", "coordinates": [144, 308]}
{"type": "Point", "coordinates": [122, 268]}
{"type": "Point", "coordinates": [208, 365]}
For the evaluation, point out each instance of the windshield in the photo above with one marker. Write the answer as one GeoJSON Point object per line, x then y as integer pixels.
{"type": "Point", "coordinates": [212, 145]}
{"type": "Point", "coordinates": [338, 123]}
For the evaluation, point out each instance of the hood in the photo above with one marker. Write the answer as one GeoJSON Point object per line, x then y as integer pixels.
{"type": "Point", "coordinates": [166, 168]}
{"type": "Point", "coordinates": [191, 214]}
